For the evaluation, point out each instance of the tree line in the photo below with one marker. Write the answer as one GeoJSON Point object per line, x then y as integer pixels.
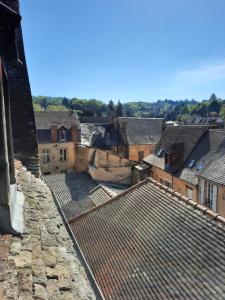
{"type": "Point", "coordinates": [179, 110]}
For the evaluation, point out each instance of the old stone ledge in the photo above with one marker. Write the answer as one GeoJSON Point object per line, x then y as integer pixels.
{"type": "Point", "coordinates": [42, 264]}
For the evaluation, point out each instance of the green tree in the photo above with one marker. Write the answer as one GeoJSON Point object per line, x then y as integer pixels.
{"type": "Point", "coordinates": [37, 107]}
{"type": "Point", "coordinates": [119, 109]}
{"type": "Point", "coordinates": [53, 107]}
{"type": "Point", "coordinates": [111, 108]}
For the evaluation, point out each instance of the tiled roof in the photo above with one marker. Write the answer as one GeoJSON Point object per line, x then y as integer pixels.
{"type": "Point", "coordinates": [8, 15]}
{"type": "Point", "coordinates": [186, 136]}
{"type": "Point", "coordinates": [102, 136]}
{"type": "Point", "coordinates": [141, 131]}
{"type": "Point", "coordinates": [101, 194]}
{"type": "Point", "coordinates": [71, 191]}
{"type": "Point", "coordinates": [215, 169]}
{"type": "Point", "coordinates": [209, 121]}
{"type": "Point", "coordinates": [152, 243]}
{"type": "Point", "coordinates": [46, 119]}
{"type": "Point", "coordinates": [208, 147]}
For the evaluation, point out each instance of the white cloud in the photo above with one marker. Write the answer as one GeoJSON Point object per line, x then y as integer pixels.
{"type": "Point", "coordinates": [204, 73]}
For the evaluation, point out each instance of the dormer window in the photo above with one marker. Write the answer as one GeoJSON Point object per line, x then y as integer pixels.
{"type": "Point", "coordinates": [62, 135]}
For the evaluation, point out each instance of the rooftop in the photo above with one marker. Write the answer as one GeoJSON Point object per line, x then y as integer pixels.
{"type": "Point", "coordinates": [186, 137]}
{"type": "Point", "coordinates": [46, 119]}
{"type": "Point", "coordinates": [71, 191]}
{"type": "Point", "coordinates": [141, 131]}
{"type": "Point", "coordinates": [153, 243]}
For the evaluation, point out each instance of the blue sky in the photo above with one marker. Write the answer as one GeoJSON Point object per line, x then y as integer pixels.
{"type": "Point", "coordinates": [125, 49]}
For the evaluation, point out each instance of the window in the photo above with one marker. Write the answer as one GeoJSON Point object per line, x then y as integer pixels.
{"type": "Point", "coordinates": [62, 154]}
{"type": "Point", "coordinates": [45, 156]}
{"type": "Point", "coordinates": [62, 135]}
{"type": "Point", "coordinates": [210, 195]}
{"type": "Point", "coordinates": [140, 155]}
{"type": "Point", "coordinates": [189, 192]}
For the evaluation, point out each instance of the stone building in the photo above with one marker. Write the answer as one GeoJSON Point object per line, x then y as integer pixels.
{"type": "Point", "coordinates": [58, 135]}
{"type": "Point", "coordinates": [139, 136]}
{"type": "Point", "coordinates": [38, 259]}
{"type": "Point", "coordinates": [182, 155]}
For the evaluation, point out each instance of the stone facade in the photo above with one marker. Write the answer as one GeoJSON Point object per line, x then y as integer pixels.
{"type": "Point", "coordinates": [55, 164]}
{"type": "Point", "coordinates": [138, 152]}
{"type": "Point", "coordinates": [103, 165]}
{"type": "Point", "coordinates": [41, 264]}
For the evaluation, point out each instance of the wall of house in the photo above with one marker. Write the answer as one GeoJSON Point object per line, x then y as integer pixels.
{"type": "Point", "coordinates": [114, 174]}
{"type": "Point", "coordinates": [55, 165]}
{"type": "Point", "coordinates": [177, 184]}
{"type": "Point", "coordinates": [221, 200]}
{"type": "Point", "coordinates": [103, 166]}
{"type": "Point", "coordinates": [134, 149]}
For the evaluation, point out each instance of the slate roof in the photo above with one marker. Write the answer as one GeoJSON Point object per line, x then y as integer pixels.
{"type": "Point", "coordinates": [71, 191]}
{"type": "Point", "coordinates": [152, 243]}
{"type": "Point", "coordinates": [101, 194]}
{"type": "Point", "coordinates": [215, 169]}
{"type": "Point", "coordinates": [8, 15]}
{"type": "Point", "coordinates": [209, 121]}
{"type": "Point", "coordinates": [102, 136]}
{"type": "Point", "coordinates": [208, 147]}
{"type": "Point", "coordinates": [46, 119]}
{"type": "Point", "coordinates": [186, 137]}
{"type": "Point", "coordinates": [141, 131]}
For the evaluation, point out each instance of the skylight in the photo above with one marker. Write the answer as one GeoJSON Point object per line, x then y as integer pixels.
{"type": "Point", "coordinates": [160, 152]}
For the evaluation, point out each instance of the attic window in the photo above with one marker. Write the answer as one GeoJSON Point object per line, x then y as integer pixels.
{"type": "Point", "coordinates": [160, 152]}
{"type": "Point", "coordinates": [62, 135]}
{"type": "Point", "coordinates": [191, 163]}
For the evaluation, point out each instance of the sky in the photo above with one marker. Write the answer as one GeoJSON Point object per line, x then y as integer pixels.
{"type": "Point", "coordinates": [132, 50]}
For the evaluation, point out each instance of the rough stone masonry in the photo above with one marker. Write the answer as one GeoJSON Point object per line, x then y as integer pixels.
{"type": "Point", "coordinates": [42, 264]}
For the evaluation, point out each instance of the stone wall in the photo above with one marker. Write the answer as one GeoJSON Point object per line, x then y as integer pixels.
{"type": "Point", "coordinates": [177, 184]}
{"type": "Point", "coordinates": [105, 166]}
{"type": "Point", "coordinates": [41, 264]}
{"type": "Point", "coordinates": [134, 149]}
{"type": "Point", "coordinates": [55, 165]}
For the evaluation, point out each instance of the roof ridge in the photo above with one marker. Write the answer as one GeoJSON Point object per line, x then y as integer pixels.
{"type": "Point", "coordinates": [203, 209]}
{"type": "Point", "coordinates": [133, 187]}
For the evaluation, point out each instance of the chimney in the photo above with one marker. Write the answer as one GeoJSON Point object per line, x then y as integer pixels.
{"type": "Point", "coordinates": [54, 134]}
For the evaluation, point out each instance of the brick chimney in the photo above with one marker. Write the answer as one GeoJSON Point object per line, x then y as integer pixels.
{"type": "Point", "coordinates": [54, 134]}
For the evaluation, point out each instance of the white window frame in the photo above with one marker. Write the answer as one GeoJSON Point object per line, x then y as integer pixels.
{"type": "Point", "coordinates": [45, 156]}
{"type": "Point", "coordinates": [63, 154]}
{"type": "Point", "coordinates": [62, 135]}
{"type": "Point", "coordinates": [189, 192]}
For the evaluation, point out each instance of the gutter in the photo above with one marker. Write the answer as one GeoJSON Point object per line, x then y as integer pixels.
{"type": "Point", "coordinates": [90, 275]}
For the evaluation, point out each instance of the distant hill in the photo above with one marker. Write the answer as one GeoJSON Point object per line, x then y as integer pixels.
{"type": "Point", "coordinates": [170, 109]}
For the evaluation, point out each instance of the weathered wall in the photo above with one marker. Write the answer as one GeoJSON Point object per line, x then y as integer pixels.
{"type": "Point", "coordinates": [55, 165]}
{"type": "Point", "coordinates": [118, 175]}
{"type": "Point", "coordinates": [134, 149]}
{"type": "Point", "coordinates": [105, 159]}
{"type": "Point", "coordinates": [23, 124]}
{"type": "Point", "coordinates": [177, 184]}
{"type": "Point", "coordinates": [221, 201]}
{"type": "Point", "coordinates": [82, 158]}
